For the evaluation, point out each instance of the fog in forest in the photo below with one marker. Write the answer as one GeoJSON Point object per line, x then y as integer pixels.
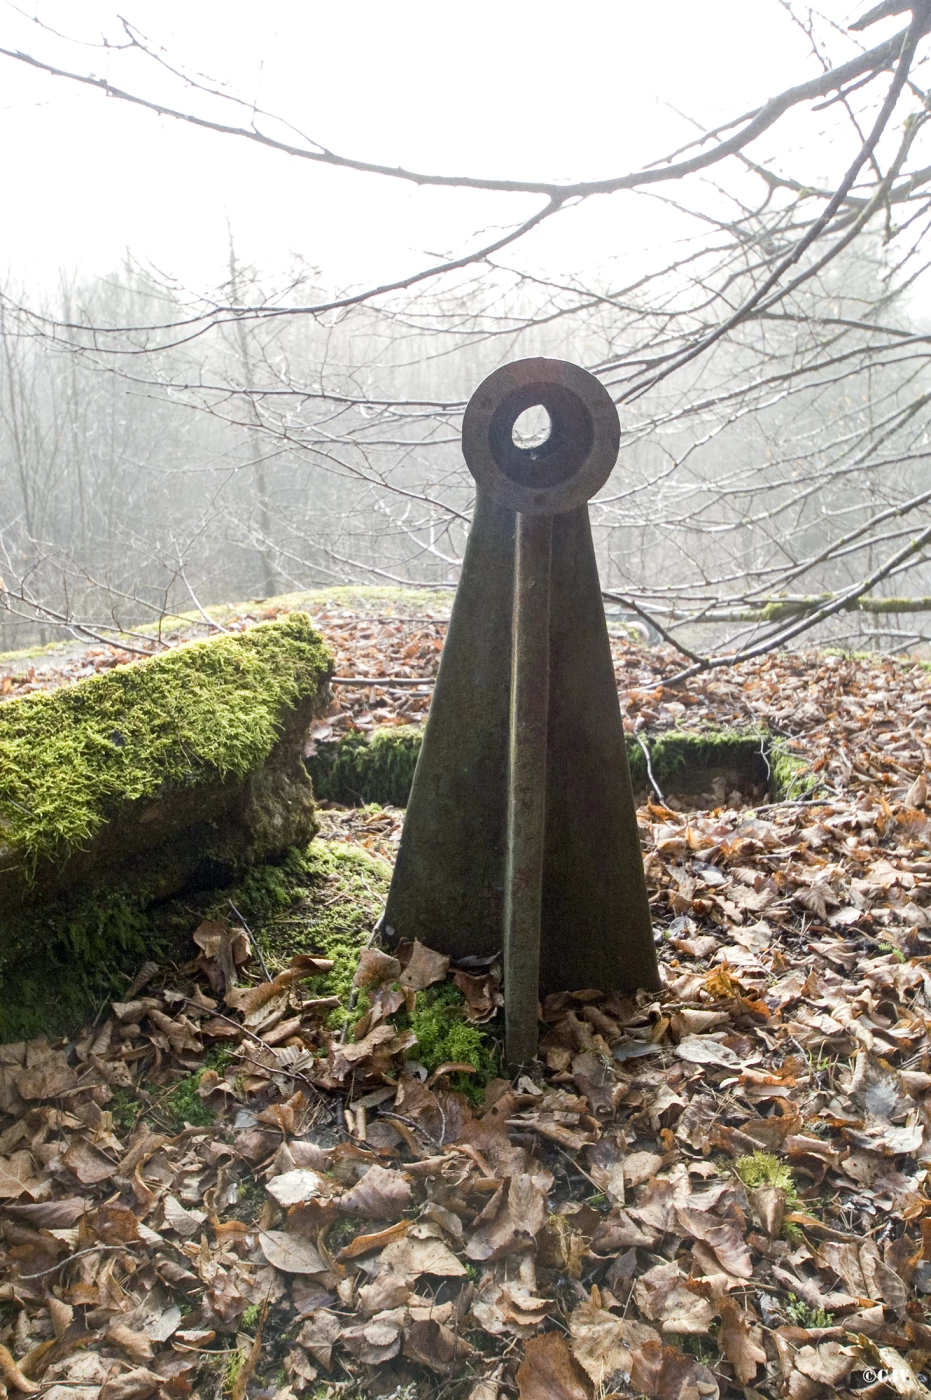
{"type": "Point", "coordinates": [168, 443]}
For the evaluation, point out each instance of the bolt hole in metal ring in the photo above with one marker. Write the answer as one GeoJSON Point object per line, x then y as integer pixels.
{"type": "Point", "coordinates": [573, 462]}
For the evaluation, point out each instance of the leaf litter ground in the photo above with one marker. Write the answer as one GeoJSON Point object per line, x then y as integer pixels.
{"type": "Point", "coordinates": [720, 1189]}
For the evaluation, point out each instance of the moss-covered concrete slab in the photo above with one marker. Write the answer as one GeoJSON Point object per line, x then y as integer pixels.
{"type": "Point", "coordinates": [379, 767]}
{"type": "Point", "coordinates": [360, 768]}
{"type": "Point", "coordinates": [186, 767]}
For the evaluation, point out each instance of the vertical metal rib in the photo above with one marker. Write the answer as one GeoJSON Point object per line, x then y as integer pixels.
{"type": "Point", "coordinates": [526, 828]}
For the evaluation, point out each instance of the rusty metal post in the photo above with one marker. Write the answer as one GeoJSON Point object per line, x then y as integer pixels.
{"type": "Point", "coordinates": [526, 822]}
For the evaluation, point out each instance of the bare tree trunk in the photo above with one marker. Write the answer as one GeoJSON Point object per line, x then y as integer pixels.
{"type": "Point", "coordinates": [256, 437]}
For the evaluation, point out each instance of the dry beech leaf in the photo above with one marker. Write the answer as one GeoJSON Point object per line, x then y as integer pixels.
{"type": "Point", "coordinates": [376, 968]}
{"type": "Point", "coordinates": [13, 1376]}
{"type": "Point", "coordinates": [424, 967]}
{"type": "Point", "coordinates": [376, 1340]}
{"type": "Point", "coordinates": [829, 1363]}
{"type": "Point", "coordinates": [184, 1222]}
{"type": "Point", "coordinates": [62, 1315]}
{"type": "Point", "coordinates": [162, 1325]}
{"type": "Point", "coordinates": [364, 1244]}
{"type": "Point", "coordinates": [723, 1236]}
{"type": "Point", "coordinates": [640, 1167]}
{"type": "Point", "coordinates": [135, 1344]}
{"type": "Point", "coordinates": [619, 1230]}
{"type": "Point", "coordinates": [114, 1224]}
{"type": "Point", "coordinates": [411, 1257]}
{"type": "Point", "coordinates": [664, 1373]}
{"type": "Point", "coordinates": [386, 1292]}
{"type": "Point", "coordinates": [432, 1344]}
{"type": "Point", "coordinates": [297, 1187]}
{"type": "Point", "coordinates": [549, 1371]}
{"type": "Point", "coordinates": [917, 794]}
{"type": "Point", "coordinates": [482, 994]}
{"type": "Point", "coordinates": [251, 1000]}
{"type": "Point", "coordinates": [18, 1177]}
{"type": "Point", "coordinates": [663, 1296]}
{"type": "Point", "coordinates": [769, 1206]}
{"type": "Point", "coordinates": [320, 1334]}
{"type": "Point", "coordinates": [899, 1375]}
{"type": "Point", "coordinates": [598, 1342]}
{"type": "Point", "coordinates": [381, 1194]}
{"type": "Point", "coordinates": [500, 1306]}
{"type": "Point", "coordinates": [46, 1215]}
{"type": "Point", "coordinates": [132, 1385]}
{"type": "Point", "coordinates": [488, 1388]}
{"type": "Point", "coordinates": [290, 1253]}
{"type": "Point", "coordinates": [224, 950]}
{"type": "Point", "coordinates": [704, 1050]}
{"type": "Point", "coordinates": [739, 1338]}
{"type": "Point", "coordinates": [516, 1225]}
{"type": "Point", "coordinates": [88, 1165]}
{"type": "Point", "coordinates": [301, 1371]}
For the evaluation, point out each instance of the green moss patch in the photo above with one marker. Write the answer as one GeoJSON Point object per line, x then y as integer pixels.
{"type": "Point", "coordinates": [326, 901]}
{"type": "Point", "coordinates": [57, 967]}
{"type": "Point", "coordinates": [361, 768]}
{"type": "Point", "coordinates": [379, 767]}
{"type": "Point", "coordinates": [688, 760]}
{"type": "Point", "coordinates": [792, 775]}
{"type": "Point", "coordinates": [765, 1169]}
{"type": "Point", "coordinates": [444, 1036]}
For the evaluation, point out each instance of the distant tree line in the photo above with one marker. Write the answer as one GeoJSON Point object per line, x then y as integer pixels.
{"type": "Point", "coordinates": [162, 450]}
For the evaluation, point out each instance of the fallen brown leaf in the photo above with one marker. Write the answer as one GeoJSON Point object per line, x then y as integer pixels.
{"type": "Point", "coordinates": [549, 1371]}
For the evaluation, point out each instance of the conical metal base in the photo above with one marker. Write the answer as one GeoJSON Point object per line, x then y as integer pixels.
{"type": "Point", "coordinates": [449, 880]}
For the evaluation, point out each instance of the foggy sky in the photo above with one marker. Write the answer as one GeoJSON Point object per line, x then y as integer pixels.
{"type": "Point", "coordinates": [522, 88]}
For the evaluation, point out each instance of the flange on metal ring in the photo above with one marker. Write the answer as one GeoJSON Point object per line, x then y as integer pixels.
{"type": "Point", "coordinates": [572, 464]}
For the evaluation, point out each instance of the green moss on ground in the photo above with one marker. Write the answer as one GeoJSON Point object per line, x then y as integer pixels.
{"type": "Point", "coordinates": [58, 967]}
{"type": "Point", "coordinates": [186, 1107]}
{"type": "Point", "coordinates": [361, 768]}
{"type": "Point", "coordinates": [792, 778]}
{"type": "Point", "coordinates": [444, 1036]}
{"type": "Point", "coordinates": [326, 901]}
{"type": "Point", "coordinates": [692, 758]}
{"type": "Point", "coordinates": [70, 758]}
{"type": "Point", "coordinates": [323, 899]}
{"type": "Point", "coordinates": [183, 1104]}
{"type": "Point", "coordinates": [379, 767]}
{"type": "Point", "coordinates": [766, 1169]}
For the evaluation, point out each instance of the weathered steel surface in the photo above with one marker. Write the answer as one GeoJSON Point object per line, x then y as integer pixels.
{"type": "Point", "coordinates": [573, 463]}
{"type": "Point", "coordinates": [465, 880]}
{"type": "Point", "coordinates": [597, 929]}
{"type": "Point", "coordinates": [527, 768]}
{"type": "Point", "coordinates": [448, 885]}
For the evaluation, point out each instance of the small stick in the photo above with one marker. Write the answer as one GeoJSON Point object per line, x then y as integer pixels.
{"type": "Point", "coordinates": [252, 939]}
{"type": "Point", "coordinates": [653, 783]}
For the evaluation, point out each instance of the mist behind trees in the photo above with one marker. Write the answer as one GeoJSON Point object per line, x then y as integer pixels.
{"type": "Point", "coordinates": [147, 472]}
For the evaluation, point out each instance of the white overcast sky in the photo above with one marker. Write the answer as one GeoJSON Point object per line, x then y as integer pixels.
{"type": "Point", "coordinates": [518, 88]}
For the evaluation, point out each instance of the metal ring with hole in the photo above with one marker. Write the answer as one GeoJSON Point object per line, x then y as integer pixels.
{"type": "Point", "coordinates": [572, 464]}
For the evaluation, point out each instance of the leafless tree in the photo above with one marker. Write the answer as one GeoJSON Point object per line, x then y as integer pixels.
{"type": "Point", "coordinates": [772, 381]}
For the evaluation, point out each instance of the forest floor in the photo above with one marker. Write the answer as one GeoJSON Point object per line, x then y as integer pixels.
{"type": "Point", "coordinates": [718, 1189]}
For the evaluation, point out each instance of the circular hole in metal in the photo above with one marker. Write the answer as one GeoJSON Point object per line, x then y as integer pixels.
{"type": "Point", "coordinates": [531, 428]}
{"type": "Point", "coordinates": [560, 455]}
